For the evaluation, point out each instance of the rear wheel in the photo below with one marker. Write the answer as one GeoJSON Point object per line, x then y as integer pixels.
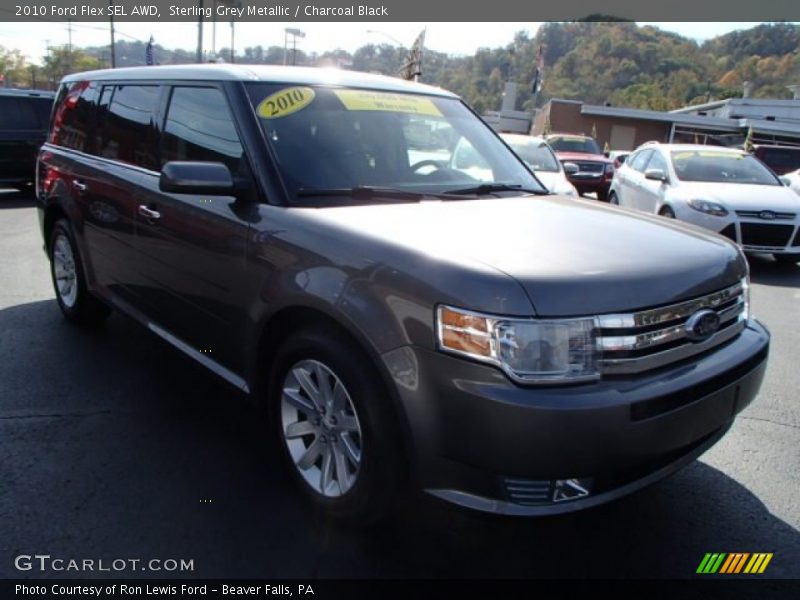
{"type": "Point", "coordinates": [787, 259]}
{"type": "Point", "coordinates": [602, 195]}
{"type": "Point", "coordinates": [666, 211]}
{"type": "Point", "coordinates": [73, 297]}
{"type": "Point", "coordinates": [333, 420]}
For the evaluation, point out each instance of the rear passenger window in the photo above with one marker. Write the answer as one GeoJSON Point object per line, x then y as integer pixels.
{"type": "Point", "coordinates": [17, 113]}
{"type": "Point", "coordinates": [128, 132]}
{"type": "Point", "coordinates": [75, 117]}
{"type": "Point", "coordinates": [199, 127]}
{"type": "Point", "coordinates": [640, 160]}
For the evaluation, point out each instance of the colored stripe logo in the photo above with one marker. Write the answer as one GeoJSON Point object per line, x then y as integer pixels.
{"type": "Point", "coordinates": [734, 563]}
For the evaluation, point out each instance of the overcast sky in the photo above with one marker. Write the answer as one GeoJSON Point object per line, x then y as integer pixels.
{"type": "Point", "coordinates": [452, 38]}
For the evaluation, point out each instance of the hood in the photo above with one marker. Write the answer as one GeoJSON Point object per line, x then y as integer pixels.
{"type": "Point", "coordinates": [737, 196]}
{"type": "Point", "coordinates": [555, 181]}
{"type": "Point", "coordinates": [572, 257]}
{"type": "Point", "coordinates": [570, 156]}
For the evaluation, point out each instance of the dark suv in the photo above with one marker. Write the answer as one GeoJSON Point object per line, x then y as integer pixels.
{"type": "Point", "coordinates": [305, 235]}
{"type": "Point", "coordinates": [24, 115]}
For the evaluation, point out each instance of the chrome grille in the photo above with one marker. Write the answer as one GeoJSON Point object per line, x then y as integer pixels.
{"type": "Point", "coordinates": [636, 342]}
{"type": "Point", "coordinates": [765, 214]}
{"type": "Point", "coordinates": [590, 167]}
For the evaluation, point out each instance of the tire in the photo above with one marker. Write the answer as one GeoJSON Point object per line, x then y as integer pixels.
{"type": "Point", "coordinates": [69, 282]}
{"type": "Point", "coordinates": [602, 195]}
{"type": "Point", "coordinates": [613, 199]}
{"type": "Point", "coordinates": [666, 211]}
{"type": "Point", "coordinates": [358, 441]}
{"type": "Point", "coordinates": [787, 259]}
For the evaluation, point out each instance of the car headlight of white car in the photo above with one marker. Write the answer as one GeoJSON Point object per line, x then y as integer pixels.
{"type": "Point", "coordinates": [709, 207]}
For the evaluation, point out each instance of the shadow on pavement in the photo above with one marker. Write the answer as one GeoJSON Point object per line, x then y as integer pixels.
{"type": "Point", "coordinates": [765, 270]}
{"type": "Point", "coordinates": [115, 445]}
{"type": "Point", "coordinates": [13, 198]}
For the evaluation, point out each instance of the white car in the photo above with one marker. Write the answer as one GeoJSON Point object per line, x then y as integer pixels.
{"type": "Point", "coordinates": [722, 189]}
{"type": "Point", "coordinates": [534, 151]}
{"type": "Point", "coordinates": [792, 180]}
{"type": "Point", "coordinates": [539, 156]}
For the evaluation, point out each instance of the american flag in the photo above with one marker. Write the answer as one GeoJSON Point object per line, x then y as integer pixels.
{"type": "Point", "coordinates": [148, 53]}
{"type": "Point", "coordinates": [538, 77]}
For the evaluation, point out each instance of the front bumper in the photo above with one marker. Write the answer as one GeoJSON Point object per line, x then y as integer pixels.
{"type": "Point", "coordinates": [479, 439]}
{"type": "Point", "coordinates": [753, 234]}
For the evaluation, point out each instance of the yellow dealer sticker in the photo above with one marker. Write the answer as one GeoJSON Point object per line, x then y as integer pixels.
{"type": "Point", "coordinates": [403, 103]}
{"type": "Point", "coordinates": [285, 102]}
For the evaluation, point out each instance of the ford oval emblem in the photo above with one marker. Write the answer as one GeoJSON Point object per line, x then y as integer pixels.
{"type": "Point", "coordinates": [702, 325]}
{"type": "Point", "coordinates": [767, 215]}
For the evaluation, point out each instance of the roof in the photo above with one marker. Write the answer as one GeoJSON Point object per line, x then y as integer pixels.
{"type": "Point", "coordinates": [771, 102]}
{"type": "Point", "coordinates": [27, 93]}
{"type": "Point", "coordinates": [686, 147]}
{"type": "Point", "coordinates": [269, 73]}
{"type": "Point", "coordinates": [663, 117]}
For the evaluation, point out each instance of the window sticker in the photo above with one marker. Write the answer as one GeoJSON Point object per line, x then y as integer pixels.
{"type": "Point", "coordinates": [285, 102]}
{"type": "Point", "coordinates": [687, 154]}
{"type": "Point", "coordinates": [385, 101]}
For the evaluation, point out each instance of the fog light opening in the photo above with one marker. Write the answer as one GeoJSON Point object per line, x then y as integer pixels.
{"type": "Point", "coordinates": [570, 489]}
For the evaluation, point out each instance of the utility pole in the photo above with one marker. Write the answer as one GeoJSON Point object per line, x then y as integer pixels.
{"type": "Point", "coordinates": [113, 46]}
{"type": "Point", "coordinates": [69, 45]}
{"type": "Point", "coordinates": [200, 31]}
{"type": "Point", "coordinates": [233, 52]}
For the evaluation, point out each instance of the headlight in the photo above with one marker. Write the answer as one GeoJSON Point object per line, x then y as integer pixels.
{"type": "Point", "coordinates": [609, 168]}
{"type": "Point", "coordinates": [708, 207]}
{"type": "Point", "coordinates": [528, 350]}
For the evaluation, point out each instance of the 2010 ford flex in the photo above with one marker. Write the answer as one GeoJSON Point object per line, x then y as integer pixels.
{"type": "Point", "coordinates": [306, 235]}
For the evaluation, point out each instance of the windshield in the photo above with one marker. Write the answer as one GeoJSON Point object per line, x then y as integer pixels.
{"type": "Point", "coordinates": [536, 153]}
{"type": "Point", "coordinates": [570, 143]}
{"type": "Point", "coordinates": [329, 139]}
{"type": "Point", "coordinates": [721, 167]}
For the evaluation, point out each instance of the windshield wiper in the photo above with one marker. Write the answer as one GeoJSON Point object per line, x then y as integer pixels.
{"type": "Point", "coordinates": [488, 188]}
{"type": "Point", "coordinates": [361, 192]}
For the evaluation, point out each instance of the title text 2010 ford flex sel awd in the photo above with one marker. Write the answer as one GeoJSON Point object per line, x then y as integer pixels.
{"type": "Point", "coordinates": [306, 235]}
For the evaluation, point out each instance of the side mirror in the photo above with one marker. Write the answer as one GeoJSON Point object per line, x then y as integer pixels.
{"type": "Point", "coordinates": [570, 168]}
{"type": "Point", "coordinates": [656, 175]}
{"type": "Point", "coordinates": [206, 178]}
{"type": "Point", "coordinates": [606, 154]}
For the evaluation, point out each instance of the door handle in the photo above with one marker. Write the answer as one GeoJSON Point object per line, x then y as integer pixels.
{"type": "Point", "coordinates": [79, 185]}
{"type": "Point", "coordinates": [149, 213]}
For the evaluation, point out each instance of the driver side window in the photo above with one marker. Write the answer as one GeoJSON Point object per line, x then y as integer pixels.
{"type": "Point", "coordinates": [428, 139]}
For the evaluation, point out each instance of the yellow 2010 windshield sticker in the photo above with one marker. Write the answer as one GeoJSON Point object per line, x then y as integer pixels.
{"type": "Point", "coordinates": [285, 102]}
{"type": "Point", "coordinates": [386, 101]}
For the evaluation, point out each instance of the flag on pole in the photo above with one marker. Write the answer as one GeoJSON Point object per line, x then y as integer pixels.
{"type": "Point", "coordinates": [148, 53]}
{"type": "Point", "coordinates": [594, 131]}
{"type": "Point", "coordinates": [538, 76]}
{"type": "Point", "coordinates": [412, 69]}
{"type": "Point", "coordinates": [748, 141]}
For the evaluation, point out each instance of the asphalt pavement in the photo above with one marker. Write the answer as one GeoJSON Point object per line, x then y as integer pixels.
{"type": "Point", "coordinates": [114, 445]}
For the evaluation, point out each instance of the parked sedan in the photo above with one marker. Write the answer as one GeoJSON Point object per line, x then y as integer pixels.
{"type": "Point", "coordinates": [722, 189]}
{"type": "Point", "coordinates": [539, 156]}
{"type": "Point", "coordinates": [792, 180]}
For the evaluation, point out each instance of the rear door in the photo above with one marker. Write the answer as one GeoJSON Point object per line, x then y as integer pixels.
{"type": "Point", "coordinates": [635, 178]}
{"type": "Point", "coordinates": [22, 132]}
{"type": "Point", "coordinates": [192, 248]}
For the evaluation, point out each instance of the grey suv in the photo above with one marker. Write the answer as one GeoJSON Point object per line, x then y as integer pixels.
{"type": "Point", "coordinates": [305, 235]}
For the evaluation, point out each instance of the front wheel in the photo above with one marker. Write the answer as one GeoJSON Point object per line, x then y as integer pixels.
{"type": "Point", "coordinates": [336, 427]}
{"type": "Point", "coordinates": [74, 299]}
{"type": "Point", "coordinates": [666, 211]}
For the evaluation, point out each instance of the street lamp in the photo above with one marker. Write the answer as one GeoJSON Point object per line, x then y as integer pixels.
{"type": "Point", "coordinates": [295, 33]}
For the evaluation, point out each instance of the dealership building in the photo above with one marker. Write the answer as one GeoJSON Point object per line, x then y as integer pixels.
{"type": "Point", "coordinates": [722, 122]}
